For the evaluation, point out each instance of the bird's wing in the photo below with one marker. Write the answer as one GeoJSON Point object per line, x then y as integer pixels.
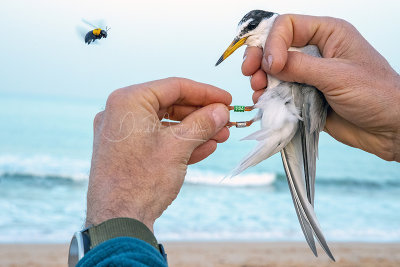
{"type": "Point", "coordinates": [313, 112]}
{"type": "Point", "coordinates": [292, 157]}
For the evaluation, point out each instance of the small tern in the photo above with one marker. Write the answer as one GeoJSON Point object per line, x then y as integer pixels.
{"type": "Point", "coordinates": [292, 115]}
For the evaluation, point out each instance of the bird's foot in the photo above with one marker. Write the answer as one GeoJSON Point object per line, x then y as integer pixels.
{"type": "Point", "coordinates": [240, 124]}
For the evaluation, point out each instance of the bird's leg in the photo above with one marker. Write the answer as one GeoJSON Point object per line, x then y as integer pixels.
{"type": "Point", "coordinates": [240, 124]}
{"type": "Point", "coordinates": [241, 108]}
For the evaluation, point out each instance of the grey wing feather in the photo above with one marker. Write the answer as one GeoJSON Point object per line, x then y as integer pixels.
{"type": "Point", "coordinates": [305, 226]}
{"type": "Point", "coordinates": [292, 162]}
{"type": "Point", "coordinates": [295, 161]}
{"type": "Point", "coordinates": [314, 110]}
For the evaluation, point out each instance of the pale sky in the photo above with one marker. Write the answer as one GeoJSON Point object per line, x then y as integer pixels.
{"type": "Point", "coordinates": [40, 52]}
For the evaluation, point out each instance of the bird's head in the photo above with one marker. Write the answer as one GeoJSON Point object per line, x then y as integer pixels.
{"type": "Point", "coordinates": [253, 30]}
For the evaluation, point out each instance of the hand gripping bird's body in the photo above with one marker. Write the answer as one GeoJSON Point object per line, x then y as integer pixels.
{"type": "Point", "coordinates": [292, 115]}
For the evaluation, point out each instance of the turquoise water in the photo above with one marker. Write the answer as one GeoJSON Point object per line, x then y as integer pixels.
{"type": "Point", "coordinates": [45, 151]}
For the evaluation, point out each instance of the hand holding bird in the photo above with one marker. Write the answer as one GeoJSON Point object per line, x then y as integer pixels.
{"type": "Point", "coordinates": [292, 116]}
{"type": "Point", "coordinates": [362, 89]}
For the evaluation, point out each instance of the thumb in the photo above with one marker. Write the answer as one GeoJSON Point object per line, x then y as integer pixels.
{"type": "Point", "coordinates": [201, 125]}
{"type": "Point", "coordinates": [302, 68]}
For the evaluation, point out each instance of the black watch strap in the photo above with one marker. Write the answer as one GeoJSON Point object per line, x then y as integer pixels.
{"type": "Point", "coordinates": [118, 227]}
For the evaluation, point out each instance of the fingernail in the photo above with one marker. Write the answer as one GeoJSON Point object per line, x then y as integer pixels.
{"type": "Point", "coordinates": [244, 57]}
{"type": "Point", "coordinates": [270, 60]}
{"type": "Point", "coordinates": [221, 116]}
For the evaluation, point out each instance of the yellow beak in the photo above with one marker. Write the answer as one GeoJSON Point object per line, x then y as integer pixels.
{"type": "Point", "coordinates": [229, 51]}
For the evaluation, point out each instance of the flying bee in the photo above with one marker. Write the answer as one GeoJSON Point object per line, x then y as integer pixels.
{"type": "Point", "coordinates": [96, 34]}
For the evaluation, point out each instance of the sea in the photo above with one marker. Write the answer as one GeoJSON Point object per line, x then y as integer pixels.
{"type": "Point", "coordinates": [45, 151]}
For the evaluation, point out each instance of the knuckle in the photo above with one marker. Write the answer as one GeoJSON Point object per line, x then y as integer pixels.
{"type": "Point", "coordinates": [116, 98]}
{"type": "Point", "coordinates": [98, 119]}
{"type": "Point", "coordinates": [176, 81]}
{"type": "Point", "coordinates": [343, 23]}
{"type": "Point", "coordinates": [338, 23]}
{"type": "Point", "coordinates": [282, 19]}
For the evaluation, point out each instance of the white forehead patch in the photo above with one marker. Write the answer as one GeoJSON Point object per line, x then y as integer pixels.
{"type": "Point", "coordinates": [242, 26]}
{"type": "Point", "coordinates": [258, 36]}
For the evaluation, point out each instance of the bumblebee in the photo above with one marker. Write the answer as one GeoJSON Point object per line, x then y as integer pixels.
{"type": "Point", "coordinates": [96, 34]}
{"type": "Point", "coordinates": [92, 35]}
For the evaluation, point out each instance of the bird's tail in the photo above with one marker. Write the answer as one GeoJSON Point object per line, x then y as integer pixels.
{"type": "Point", "coordinates": [270, 143]}
{"type": "Point", "coordinates": [292, 162]}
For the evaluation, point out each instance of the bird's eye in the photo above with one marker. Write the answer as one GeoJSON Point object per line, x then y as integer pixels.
{"type": "Point", "coordinates": [252, 25]}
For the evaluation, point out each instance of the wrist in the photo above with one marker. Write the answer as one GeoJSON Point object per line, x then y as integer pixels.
{"type": "Point", "coordinates": [86, 240]}
{"type": "Point", "coordinates": [107, 215]}
{"type": "Point", "coordinates": [121, 227]}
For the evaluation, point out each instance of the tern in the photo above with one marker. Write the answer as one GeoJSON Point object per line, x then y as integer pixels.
{"type": "Point", "coordinates": [292, 115]}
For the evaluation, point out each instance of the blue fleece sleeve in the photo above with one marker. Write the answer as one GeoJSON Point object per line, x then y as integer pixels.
{"type": "Point", "coordinates": [123, 251]}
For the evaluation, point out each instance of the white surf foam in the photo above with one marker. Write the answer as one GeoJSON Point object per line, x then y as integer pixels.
{"type": "Point", "coordinates": [45, 166]}
{"type": "Point", "coordinates": [212, 178]}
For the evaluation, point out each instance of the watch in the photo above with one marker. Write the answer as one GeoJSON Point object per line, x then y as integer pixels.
{"type": "Point", "coordinates": [88, 238]}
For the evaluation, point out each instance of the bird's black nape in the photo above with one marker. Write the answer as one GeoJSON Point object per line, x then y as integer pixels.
{"type": "Point", "coordinates": [256, 17]}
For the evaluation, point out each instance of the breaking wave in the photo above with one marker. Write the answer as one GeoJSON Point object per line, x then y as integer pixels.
{"type": "Point", "coordinates": [43, 166]}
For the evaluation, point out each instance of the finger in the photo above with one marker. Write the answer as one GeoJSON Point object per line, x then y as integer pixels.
{"type": "Point", "coordinates": [322, 73]}
{"type": "Point", "coordinates": [256, 95]}
{"type": "Point", "coordinates": [352, 135]}
{"type": "Point", "coordinates": [298, 31]}
{"type": "Point", "coordinates": [252, 60]}
{"type": "Point", "coordinates": [259, 80]}
{"type": "Point", "coordinates": [219, 137]}
{"type": "Point", "coordinates": [185, 92]}
{"type": "Point", "coordinates": [222, 135]}
{"type": "Point", "coordinates": [176, 112]}
{"type": "Point", "coordinates": [203, 151]}
{"type": "Point", "coordinates": [277, 44]}
{"type": "Point", "coordinates": [341, 129]}
{"type": "Point", "coordinates": [200, 126]}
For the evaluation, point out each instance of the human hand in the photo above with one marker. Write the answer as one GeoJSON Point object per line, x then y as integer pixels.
{"type": "Point", "coordinates": [139, 163]}
{"type": "Point", "coordinates": [360, 86]}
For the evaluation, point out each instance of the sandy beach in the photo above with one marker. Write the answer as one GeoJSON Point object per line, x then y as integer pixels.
{"type": "Point", "coordinates": [223, 254]}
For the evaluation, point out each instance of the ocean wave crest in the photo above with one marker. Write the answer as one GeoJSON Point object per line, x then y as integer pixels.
{"type": "Point", "coordinates": [44, 166]}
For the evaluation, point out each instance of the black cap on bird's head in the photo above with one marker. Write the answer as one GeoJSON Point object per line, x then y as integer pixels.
{"type": "Point", "coordinates": [253, 29]}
